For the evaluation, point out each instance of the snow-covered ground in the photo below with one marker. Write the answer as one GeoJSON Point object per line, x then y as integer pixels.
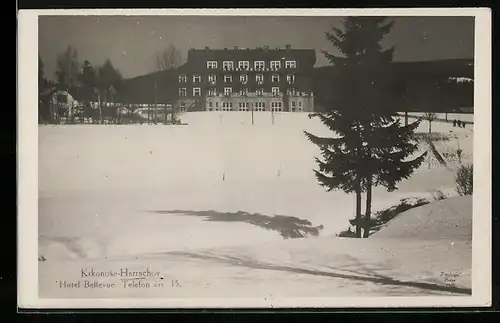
{"type": "Point", "coordinates": [467, 117]}
{"type": "Point", "coordinates": [208, 204]}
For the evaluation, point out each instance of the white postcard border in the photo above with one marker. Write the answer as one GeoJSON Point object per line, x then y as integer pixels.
{"type": "Point", "coordinates": [28, 169]}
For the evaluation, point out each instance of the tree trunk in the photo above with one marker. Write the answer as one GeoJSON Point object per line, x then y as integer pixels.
{"type": "Point", "coordinates": [358, 211]}
{"type": "Point", "coordinates": [368, 209]}
{"type": "Point", "coordinates": [406, 118]}
{"type": "Point", "coordinates": [430, 127]}
{"type": "Point", "coordinates": [100, 110]}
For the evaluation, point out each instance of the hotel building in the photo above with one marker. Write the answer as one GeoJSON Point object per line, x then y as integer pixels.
{"type": "Point", "coordinates": [244, 79]}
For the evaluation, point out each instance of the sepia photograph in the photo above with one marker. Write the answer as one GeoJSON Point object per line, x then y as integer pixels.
{"type": "Point", "coordinates": [276, 159]}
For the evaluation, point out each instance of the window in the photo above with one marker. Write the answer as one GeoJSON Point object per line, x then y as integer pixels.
{"type": "Point", "coordinates": [244, 91]}
{"type": "Point", "coordinates": [62, 98]}
{"type": "Point", "coordinates": [209, 104]}
{"type": "Point", "coordinates": [182, 92]}
{"type": "Point", "coordinates": [243, 106]}
{"type": "Point", "coordinates": [182, 78]}
{"type": "Point", "coordinates": [293, 103]}
{"type": "Point", "coordinates": [244, 65]}
{"type": "Point", "coordinates": [290, 78]}
{"type": "Point", "coordinates": [300, 103]}
{"type": "Point", "coordinates": [196, 91]}
{"type": "Point", "coordinates": [259, 91]}
{"type": "Point", "coordinates": [217, 105]}
{"type": "Point", "coordinates": [227, 65]}
{"type": "Point", "coordinates": [276, 106]}
{"type": "Point", "coordinates": [228, 91]}
{"type": "Point", "coordinates": [259, 65]}
{"type": "Point", "coordinates": [211, 92]}
{"type": "Point", "coordinates": [275, 65]}
{"type": "Point", "coordinates": [243, 78]}
{"type": "Point", "coordinates": [259, 78]}
{"type": "Point", "coordinates": [275, 90]}
{"type": "Point", "coordinates": [212, 79]}
{"type": "Point", "coordinates": [212, 64]}
{"type": "Point", "coordinates": [196, 78]}
{"type": "Point", "coordinates": [228, 78]}
{"type": "Point", "coordinates": [183, 107]}
{"type": "Point", "coordinates": [290, 91]}
{"type": "Point", "coordinates": [260, 105]}
{"type": "Point", "coordinates": [291, 64]}
{"type": "Point", "coordinates": [275, 78]}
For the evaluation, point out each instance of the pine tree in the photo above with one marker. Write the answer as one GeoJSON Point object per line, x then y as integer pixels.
{"type": "Point", "coordinates": [371, 146]}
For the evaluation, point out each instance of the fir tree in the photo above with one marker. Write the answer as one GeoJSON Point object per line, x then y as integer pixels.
{"type": "Point", "coordinates": [370, 147]}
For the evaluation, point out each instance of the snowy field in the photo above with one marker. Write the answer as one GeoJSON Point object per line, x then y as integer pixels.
{"type": "Point", "coordinates": [467, 117]}
{"type": "Point", "coordinates": [208, 205]}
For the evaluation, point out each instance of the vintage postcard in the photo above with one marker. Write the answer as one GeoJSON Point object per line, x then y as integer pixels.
{"type": "Point", "coordinates": [254, 158]}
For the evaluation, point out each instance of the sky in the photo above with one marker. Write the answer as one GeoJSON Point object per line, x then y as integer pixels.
{"type": "Point", "coordinates": [131, 42]}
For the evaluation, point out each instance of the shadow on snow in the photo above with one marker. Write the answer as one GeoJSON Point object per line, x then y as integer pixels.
{"type": "Point", "coordinates": [369, 277]}
{"type": "Point", "coordinates": [287, 226]}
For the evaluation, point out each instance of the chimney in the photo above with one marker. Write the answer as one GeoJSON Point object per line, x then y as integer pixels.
{"type": "Point", "coordinates": [288, 46]}
{"type": "Point", "coordinates": [235, 47]}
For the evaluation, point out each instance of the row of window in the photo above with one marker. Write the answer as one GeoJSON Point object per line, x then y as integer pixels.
{"type": "Point", "coordinates": [246, 109]}
{"type": "Point", "coordinates": [229, 91]}
{"type": "Point", "coordinates": [245, 65]}
{"type": "Point", "coordinates": [257, 105]}
{"type": "Point", "coordinates": [259, 78]}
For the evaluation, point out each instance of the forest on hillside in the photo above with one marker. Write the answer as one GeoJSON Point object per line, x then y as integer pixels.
{"type": "Point", "coordinates": [413, 86]}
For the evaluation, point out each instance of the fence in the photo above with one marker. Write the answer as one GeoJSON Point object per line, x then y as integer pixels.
{"type": "Point", "coordinates": [114, 113]}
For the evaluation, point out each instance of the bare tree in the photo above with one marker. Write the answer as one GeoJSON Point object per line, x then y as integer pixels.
{"type": "Point", "coordinates": [168, 59]}
{"type": "Point", "coordinates": [430, 116]}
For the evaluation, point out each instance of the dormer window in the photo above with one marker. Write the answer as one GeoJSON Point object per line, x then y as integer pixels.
{"type": "Point", "coordinates": [227, 65]}
{"type": "Point", "coordinates": [291, 64]}
{"type": "Point", "coordinates": [244, 65]}
{"type": "Point", "coordinates": [259, 65]}
{"type": "Point", "coordinates": [275, 65]}
{"type": "Point", "coordinates": [212, 64]}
